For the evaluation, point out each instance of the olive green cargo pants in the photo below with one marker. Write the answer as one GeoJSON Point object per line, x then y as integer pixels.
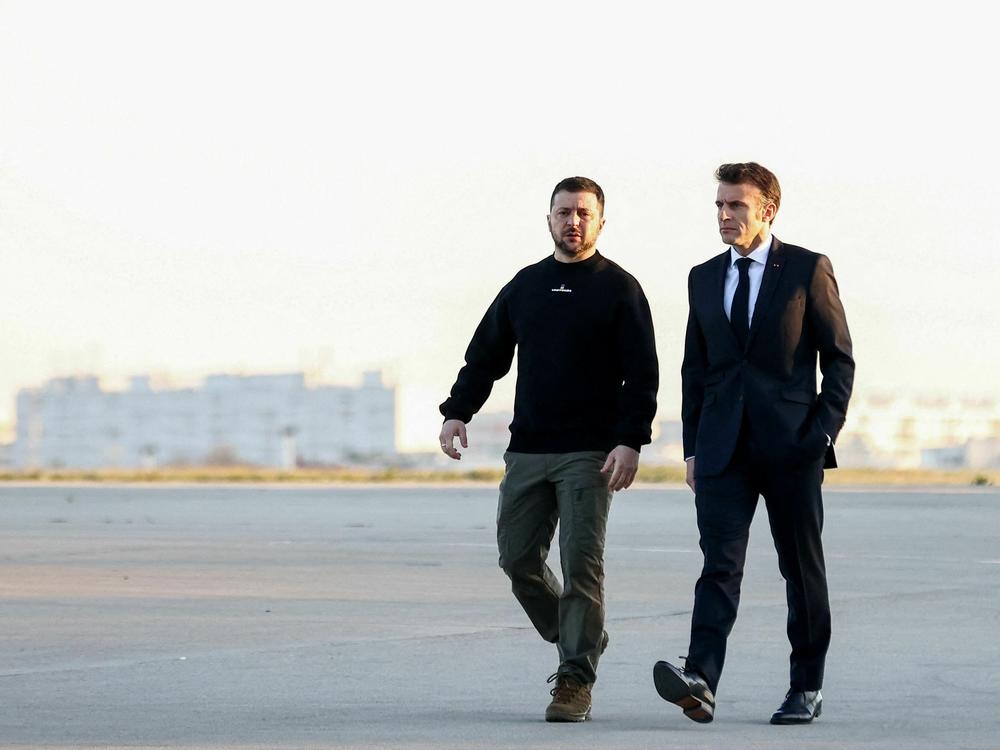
{"type": "Point", "coordinates": [538, 490]}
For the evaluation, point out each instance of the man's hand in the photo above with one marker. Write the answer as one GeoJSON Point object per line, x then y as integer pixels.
{"type": "Point", "coordinates": [623, 462]}
{"type": "Point", "coordinates": [690, 474]}
{"type": "Point", "coordinates": [451, 429]}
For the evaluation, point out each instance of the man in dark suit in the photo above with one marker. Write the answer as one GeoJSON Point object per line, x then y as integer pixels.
{"type": "Point", "coordinates": [760, 314]}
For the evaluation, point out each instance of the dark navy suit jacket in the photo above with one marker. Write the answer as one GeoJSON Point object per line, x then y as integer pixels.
{"type": "Point", "coordinates": [798, 317]}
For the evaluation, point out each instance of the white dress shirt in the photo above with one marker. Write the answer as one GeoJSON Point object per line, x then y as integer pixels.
{"type": "Point", "coordinates": [756, 273]}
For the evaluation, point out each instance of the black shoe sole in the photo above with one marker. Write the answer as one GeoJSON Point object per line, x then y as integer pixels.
{"type": "Point", "coordinates": [785, 720]}
{"type": "Point", "coordinates": [673, 689]}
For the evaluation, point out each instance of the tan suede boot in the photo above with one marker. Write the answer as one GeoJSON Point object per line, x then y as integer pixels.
{"type": "Point", "coordinates": [570, 700]}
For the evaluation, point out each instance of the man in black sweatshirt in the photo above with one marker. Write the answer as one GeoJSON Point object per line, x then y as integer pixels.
{"type": "Point", "coordinates": [584, 403]}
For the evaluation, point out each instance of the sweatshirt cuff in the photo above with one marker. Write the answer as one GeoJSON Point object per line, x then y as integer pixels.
{"type": "Point", "coordinates": [450, 410]}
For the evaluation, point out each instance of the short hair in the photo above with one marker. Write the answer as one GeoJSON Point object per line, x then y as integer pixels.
{"type": "Point", "coordinates": [753, 173]}
{"type": "Point", "coordinates": [578, 185]}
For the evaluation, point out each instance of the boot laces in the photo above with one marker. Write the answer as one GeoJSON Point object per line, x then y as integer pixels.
{"type": "Point", "coordinates": [566, 688]}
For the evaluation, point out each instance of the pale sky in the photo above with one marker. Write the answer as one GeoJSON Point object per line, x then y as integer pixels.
{"type": "Point", "coordinates": [188, 188]}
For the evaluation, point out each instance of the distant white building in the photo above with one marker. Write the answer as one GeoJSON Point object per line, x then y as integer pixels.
{"type": "Point", "coordinates": [264, 420]}
{"type": "Point", "coordinates": [977, 453]}
{"type": "Point", "coordinates": [890, 430]}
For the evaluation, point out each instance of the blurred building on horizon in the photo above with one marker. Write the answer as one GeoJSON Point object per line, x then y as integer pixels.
{"type": "Point", "coordinates": [281, 421]}
{"type": "Point", "coordinates": [260, 420]}
{"type": "Point", "coordinates": [894, 430]}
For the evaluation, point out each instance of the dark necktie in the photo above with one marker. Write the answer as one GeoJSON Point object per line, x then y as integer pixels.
{"type": "Point", "coordinates": [739, 316]}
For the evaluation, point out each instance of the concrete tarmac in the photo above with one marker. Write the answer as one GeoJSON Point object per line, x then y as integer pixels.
{"type": "Point", "coordinates": [376, 617]}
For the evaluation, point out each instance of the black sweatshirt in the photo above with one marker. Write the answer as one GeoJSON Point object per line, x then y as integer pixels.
{"type": "Point", "coordinates": [586, 359]}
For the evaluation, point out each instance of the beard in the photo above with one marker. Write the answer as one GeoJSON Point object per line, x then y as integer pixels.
{"type": "Point", "coordinates": [573, 250]}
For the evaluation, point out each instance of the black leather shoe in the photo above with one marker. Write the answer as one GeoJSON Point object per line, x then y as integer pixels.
{"type": "Point", "coordinates": [799, 707]}
{"type": "Point", "coordinates": [685, 689]}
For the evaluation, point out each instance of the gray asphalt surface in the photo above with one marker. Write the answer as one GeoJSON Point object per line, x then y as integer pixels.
{"type": "Point", "coordinates": [352, 617]}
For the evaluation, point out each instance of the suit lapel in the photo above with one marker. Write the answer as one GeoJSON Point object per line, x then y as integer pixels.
{"type": "Point", "coordinates": [772, 273]}
{"type": "Point", "coordinates": [720, 279]}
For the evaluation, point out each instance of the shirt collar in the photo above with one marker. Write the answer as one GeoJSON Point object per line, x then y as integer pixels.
{"type": "Point", "coordinates": [759, 255]}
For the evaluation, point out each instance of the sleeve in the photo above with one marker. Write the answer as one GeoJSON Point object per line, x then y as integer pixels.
{"type": "Point", "coordinates": [693, 368]}
{"type": "Point", "coordinates": [828, 325]}
{"type": "Point", "coordinates": [487, 359]}
{"type": "Point", "coordinates": [641, 374]}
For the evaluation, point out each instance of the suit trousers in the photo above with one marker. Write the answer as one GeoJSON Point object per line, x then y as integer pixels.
{"type": "Point", "coordinates": [725, 506]}
{"type": "Point", "coordinates": [537, 492]}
